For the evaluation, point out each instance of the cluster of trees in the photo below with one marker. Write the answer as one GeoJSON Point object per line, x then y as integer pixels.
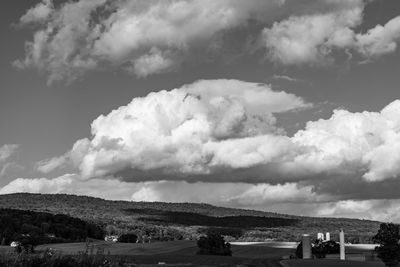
{"type": "Point", "coordinates": [128, 238]}
{"type": "Point", "coordinates": [319, 248]}
{"type": "Point", "coordinates": [153, 232]}
{"type": "Point", "coordinates": [49, 258]}
{"type": "Point", "coordinates": [388, 238]}
{"type": "Point", "coordinates": [40, 227]}
{"type": "Point", "coordinates": [213, 244]}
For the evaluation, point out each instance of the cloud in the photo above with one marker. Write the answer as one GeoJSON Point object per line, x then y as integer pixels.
{"type": "Point", "coordinates": [49, 165]}
{"type": "Point", "coordinates": [72, 184]}
{"type": "Point", "coordinates": [38, 13]}
{"type": "Point", "coordinates": [8, 162]}
{"type": "Point", "coordinates": [380, 40]}
{"type": "Point", "coordinates": [195, 129]}
{"type": "Point", "coordinates": [309, 38]}
{"type": "Point", "coordinates": [225, 194]}
{"type": "Point", "coordinates": [79, 36]}
{"type": "Point", "coordinates": [6, 151]}
{"type": "Point", "coordinates": [312, 38]}
{"type": "Point", "coordinates": [154, 62]}
{"type": "Point", "coordinates": [353, 143]}
{"type": "Point", "coordinates": [289, 198]}
{"type": "Point", "coordinates": [383, 209]}
{"type": "Point", "coordinates": [286, 78]}
{"type": "Point", "coordinates": [153, 37]}
{"type": "Point", "coordinates": [226, 131]}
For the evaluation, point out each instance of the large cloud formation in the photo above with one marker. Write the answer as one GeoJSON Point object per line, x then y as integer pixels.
{"type": "Point", "coordinates": [197, 129]}
{"type": "Point", "coordinates": [149, 37]}
{"type": "Point", "coordinates": [226, 130]}
{"type": "Point", "coordinates": [223, 135]}
{"type": "Point", "coordinates": [219, 130]}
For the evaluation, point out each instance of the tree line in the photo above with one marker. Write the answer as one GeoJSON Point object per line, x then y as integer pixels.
{"type": "Point", "coordinates": [41, 227]}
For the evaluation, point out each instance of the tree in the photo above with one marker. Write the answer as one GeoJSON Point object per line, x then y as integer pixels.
{"type": "Point", "coordinates": [319, 248]}
{"type": "Point", "coordinates": [213, 244]}
{"type": "Point", "coordinates": [388, 238]}
{"type": "Point", "coordinates": [128, 238]}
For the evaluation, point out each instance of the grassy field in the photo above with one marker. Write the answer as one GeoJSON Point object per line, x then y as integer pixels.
{"type": "Point", "coordinates": [329, 263]}
{"type": "Point", "coordinates": [260, 250]}
{"type": "Point", "coordinates": [183, 252]}
{"type": "Point", "coordinates": [177, 253]}
{"type": "Point", "coordinates": [174, 253]}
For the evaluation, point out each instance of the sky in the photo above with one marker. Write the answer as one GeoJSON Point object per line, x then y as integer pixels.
{"type": "Point", "coordinates": [291, 106]}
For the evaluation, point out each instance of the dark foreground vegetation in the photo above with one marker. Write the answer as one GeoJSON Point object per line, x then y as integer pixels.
{"type": "Point", "coordinates": [52, 259]}
{"type": "Point", "coordinates": [158, 221]}
{"type": "Point", "coordinates": [319, 249]}
{"type": "Point", "coordinates": [213, 244]}
{"type": "Point", "coordinates": [388, 238]}
{"type": "Point", "coordinates": [34, 228]}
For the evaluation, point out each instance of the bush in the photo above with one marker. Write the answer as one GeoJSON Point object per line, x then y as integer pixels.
{"type": "Point", "coordinates": [213, 244]}
{"type": "Point", "coordinates": [319, 248]}
{"type": "Point", "coordinates": [128, 238]}
{"type": "Point", "coordinates": [17, 225]}
{"type": "Point", "coordinates": [388, 237]}
{"type": "Point", "coordinates": [56, 260]}
{"type": "Point", "coordinates": [299, 250]}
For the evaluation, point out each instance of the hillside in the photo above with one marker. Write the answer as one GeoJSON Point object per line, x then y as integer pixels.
{"type": "Point", "coordinates": [166, 221]}
{"type": "Point", "coordinates": [41, 227]}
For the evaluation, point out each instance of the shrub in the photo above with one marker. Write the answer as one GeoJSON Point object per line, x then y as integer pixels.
{"type": "Point", "coordinates": [319, 248]}
{"type": "Point", "coordinates": [388, 237]}
{"type": "Point", "coordinates": [128, 238]}
{"type": "Point", "coordinates": [213, 244]}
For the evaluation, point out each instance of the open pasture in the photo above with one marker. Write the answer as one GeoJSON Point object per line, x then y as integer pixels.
{"type": "Point", "coordinates": [329, 263]}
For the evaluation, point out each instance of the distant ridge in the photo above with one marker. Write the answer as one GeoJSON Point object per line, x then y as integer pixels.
{"type": "Point", "coordinates": [142, 213]}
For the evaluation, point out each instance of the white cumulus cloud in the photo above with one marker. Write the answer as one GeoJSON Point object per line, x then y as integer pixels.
{"type": "Point", "coordinates": [311, 38]}
{"type": "Point", "coordinates": [189, 130]}
{"type": "Point", "coordinates": [225, 130]}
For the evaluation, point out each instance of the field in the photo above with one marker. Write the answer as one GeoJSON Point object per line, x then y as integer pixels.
{"type": "Point", "coordinates": [329, 263]}
{"type": "Point", "coordinates": [258, 250]}
{"type": "Point", "coordinates": [183, 253]}
{"type": "Point", "coordinates": [176, 253]}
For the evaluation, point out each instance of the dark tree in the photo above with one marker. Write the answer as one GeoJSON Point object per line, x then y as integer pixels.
{"type": "Point", "coordinates": [213, 244]}
{"type": "Point", "coordinates": [36, 228]}
{"type": "Point", "coordinates": [299, 250]}
{"type": "Point", "coordinates": [321, 248]}
{"type": "Point", "coordinates": [128, 238]}
{"type": "Point", "coordinates": [388, 238]}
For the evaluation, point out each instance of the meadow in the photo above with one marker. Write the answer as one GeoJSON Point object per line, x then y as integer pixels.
{"type": "Point", "coordinates": [179, 253]}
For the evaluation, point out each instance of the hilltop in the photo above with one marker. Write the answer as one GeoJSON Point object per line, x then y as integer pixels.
{"type": "Point", "coordinates": [169, 221]}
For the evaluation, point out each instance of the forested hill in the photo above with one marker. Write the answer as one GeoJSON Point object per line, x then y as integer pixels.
{"type": "Point", "coordinates": [187, 217]}
{"type": "Point", "coordinates": [91, 208]}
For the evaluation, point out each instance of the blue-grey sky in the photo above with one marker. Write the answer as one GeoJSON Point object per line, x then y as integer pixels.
{"type": "Point", "coordinates": [262, 78]}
